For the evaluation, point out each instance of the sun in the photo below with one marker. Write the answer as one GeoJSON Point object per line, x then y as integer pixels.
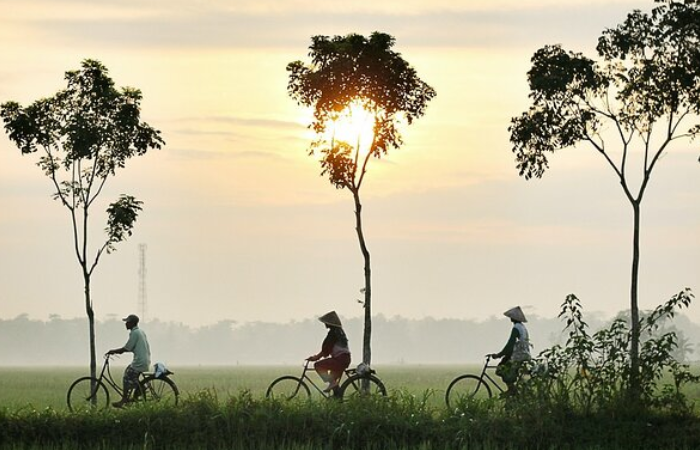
{"type": "Point", "coordinates": [354, 126]}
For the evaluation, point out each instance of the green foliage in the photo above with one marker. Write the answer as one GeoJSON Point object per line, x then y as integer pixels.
{"type": "Point", "coordinates": [353, 69]}
{"type": "Point", "coordinates": [337, 163]}
{"type": "Point", "coordinates": [649, 72]}
{"type": "Point", "coordinates": [591, 372]}
{"type": "Point", "coordinates": [90, 120]}
{"type": "Point", "coordinates": [121, 216]}
{"type": "Point", "coordinates": [401, 421]}
{"type": "Point", "coordinates": [84, 133]}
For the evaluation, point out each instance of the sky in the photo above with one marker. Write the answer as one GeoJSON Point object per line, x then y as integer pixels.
{"type": "Point", "coordinates": [237, 221]}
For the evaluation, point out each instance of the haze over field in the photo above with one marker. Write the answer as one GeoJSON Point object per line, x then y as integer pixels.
{"type": "Point", "coordinates": [237, 221]}
{"type": "Point", "coordinates": [62, 342]}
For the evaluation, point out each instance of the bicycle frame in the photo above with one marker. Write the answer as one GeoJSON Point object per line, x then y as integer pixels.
{"type": "Point", "coordinates": [108, 378]}
{"type": "Point", "coordinates": [305, 377]}
{"type": "Point", "coordinates": [485, 376]}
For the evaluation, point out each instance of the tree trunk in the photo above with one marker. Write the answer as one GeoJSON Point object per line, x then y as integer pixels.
{"type": "Point", "coordinates": [91, 324]}
{"type": "Point", "coordinates": [634, 305]}
{"type": "Point", "coordinates": [367, 335]}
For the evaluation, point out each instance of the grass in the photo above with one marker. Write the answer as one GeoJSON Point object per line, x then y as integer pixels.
{"type": "Point", "coordinates": [36, 387]}
{"type": "Point", "coordinates": [398, 422]}
{"type": "Point", "coordinates": [224, 407]}
{"type": "Point", "coordinates": [47, 386]}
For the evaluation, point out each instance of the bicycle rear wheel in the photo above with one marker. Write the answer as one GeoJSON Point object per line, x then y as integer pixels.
{"type": "Point", "coordinates": [466, 388]}
{"type": "Point", "coordinates": [161, 390]}
{"type": "Point", "coordinates": [287, 388]}
{"type": "Point", "coordinates": [87, 393]}
{"type": "Point", "coordinates": [353, 386]}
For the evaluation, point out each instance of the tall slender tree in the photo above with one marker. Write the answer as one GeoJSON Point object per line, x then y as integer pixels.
{"type": "Point", "coordinates": [347, 74]}
{"type": "Point", "coordinates": [84, 134]}
{"type": "Point", "coordinates": [642, 94]}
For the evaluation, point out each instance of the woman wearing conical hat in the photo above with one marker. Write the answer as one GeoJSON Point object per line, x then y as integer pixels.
{"type": "Point", "coordinates": [334, 351]}
{"type": "Point", "coordinates": [516, 350]}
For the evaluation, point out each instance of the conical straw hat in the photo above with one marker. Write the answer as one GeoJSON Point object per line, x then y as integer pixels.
{"type": "Point", "coordinates": [516, 314]}
{"type": "Point", "coordinates": [331, 319]}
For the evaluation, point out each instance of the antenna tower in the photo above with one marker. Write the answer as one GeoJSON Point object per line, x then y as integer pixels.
{"type": "Point", "coordinates": [142, 282]}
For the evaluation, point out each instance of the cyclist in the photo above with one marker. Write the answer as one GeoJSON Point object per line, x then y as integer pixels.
{"type": "Point", "coordinates": [516, 350]}
{"type": "Point", "coordinates": [138, 345]}
{"type": "Point", "coordinates": [334, 350]}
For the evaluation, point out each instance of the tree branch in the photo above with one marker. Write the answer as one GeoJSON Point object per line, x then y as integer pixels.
{"type": "Point", "coordinates": [98, 255]}
{"type": "Point", "coordinates": [99, 189]}
{"type": "Point", "coordinates": [365, 162]}
{"type": "Point", "coordinates": [52, 171]}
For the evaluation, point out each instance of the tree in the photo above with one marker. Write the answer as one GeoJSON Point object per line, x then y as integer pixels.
{"type": "Point", "coordinates": [84, 133]}
{"type": "Point", "coordinates": [641, 94]}
{"type": "Point", "coordinates": [349, 74]}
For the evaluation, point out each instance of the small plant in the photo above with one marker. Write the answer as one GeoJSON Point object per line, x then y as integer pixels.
{"type": "Point", "coordinates": [592, 372]}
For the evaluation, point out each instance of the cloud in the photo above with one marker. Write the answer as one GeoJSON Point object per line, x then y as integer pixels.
{"type": "Point", "coordinates": [186, 8]}
{"type": "Point", "coordinates": [248, 122]}
{"type": "Point", "coordinates": [199, 154]}
{"type": "Point", "coordinates": [234, 128]}
{"type": "Point", "coordinates": [244, 24]}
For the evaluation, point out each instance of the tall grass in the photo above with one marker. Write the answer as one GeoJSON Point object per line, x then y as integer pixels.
{"type": "Point", "coordinates": [401, 421]}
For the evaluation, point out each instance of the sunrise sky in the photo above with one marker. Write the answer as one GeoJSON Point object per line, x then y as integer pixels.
{"type": "Point", "coordinates": [237, 221]}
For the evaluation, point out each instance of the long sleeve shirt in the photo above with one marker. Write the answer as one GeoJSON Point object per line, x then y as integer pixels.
{"type": "Point", "coordinates": [335, 343]}
{"type": "Point", "coordinates": [507, 351]}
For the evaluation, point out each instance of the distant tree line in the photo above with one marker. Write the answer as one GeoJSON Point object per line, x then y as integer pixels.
{"type": "Point", "coordinates": [57, 341]}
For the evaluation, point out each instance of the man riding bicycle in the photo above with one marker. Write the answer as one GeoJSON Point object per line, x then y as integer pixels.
{"type": "Point", "coordinates": [138, 345]}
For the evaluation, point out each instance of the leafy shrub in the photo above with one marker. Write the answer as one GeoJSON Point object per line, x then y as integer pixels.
{"type": "Point", "coordinates": [592, 372]}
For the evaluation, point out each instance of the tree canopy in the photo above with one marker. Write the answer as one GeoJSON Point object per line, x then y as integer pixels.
{"type": "Point", "coordinates": [647, 79]}
{"type": "Point", "coordinates": [354, 69]}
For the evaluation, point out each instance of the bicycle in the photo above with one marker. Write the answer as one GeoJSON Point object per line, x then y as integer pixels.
{"type": "Point", "coordinates": [288, 387]}
{"type": "Point", "coordinates": [469, 386]}
{"type": "Point", "coordinates": [92, 393]}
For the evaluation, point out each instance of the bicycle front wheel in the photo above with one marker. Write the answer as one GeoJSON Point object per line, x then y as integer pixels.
{"type": "Point", "coordinates": [362, 385]}
{"type": "Point", "coordinates": [287, 388]}
{"type": "Point", "coordinates": [161, 390]}
{"type": "Point", "coordinates": [87, 393]}
{"type": "Point", "coordinates": [465, 388]}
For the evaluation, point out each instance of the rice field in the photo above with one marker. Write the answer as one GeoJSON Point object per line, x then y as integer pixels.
{"type": "Point", "coordinates": [43, 387]}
